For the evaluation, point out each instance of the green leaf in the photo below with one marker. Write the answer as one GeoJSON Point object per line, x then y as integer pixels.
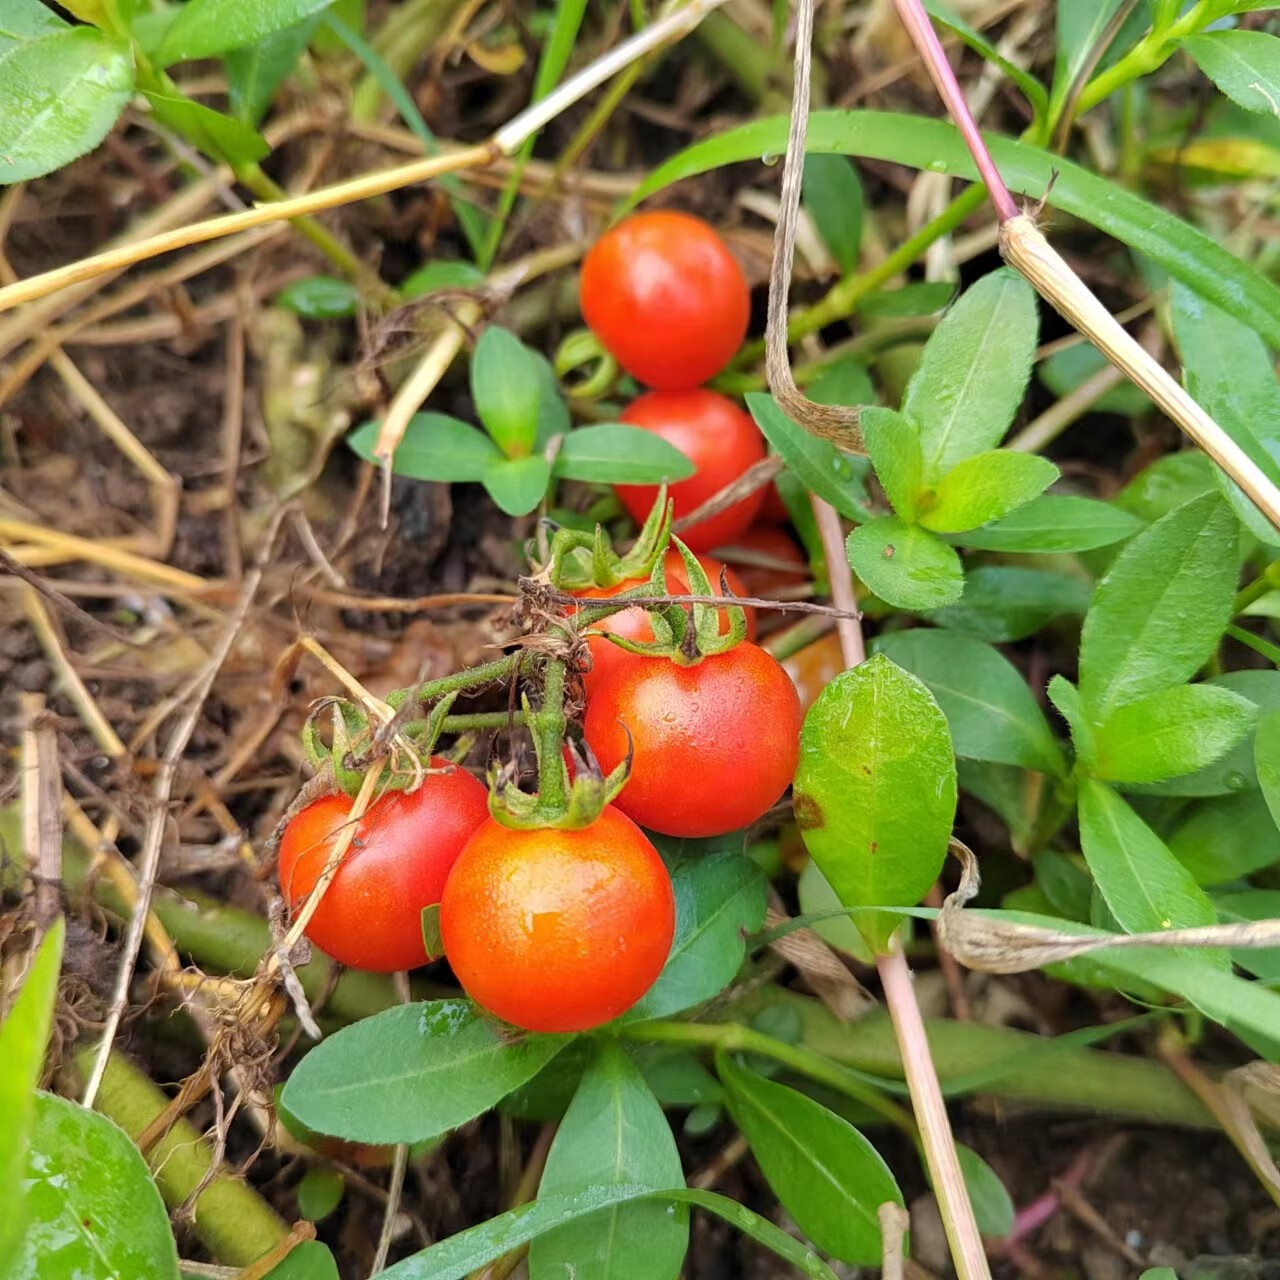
{"type": "Point", "coordinates": [435, 447]}
{"type": "Point", "coordinates": [1266, 756]}
{"type": "Point", "coordinates": [1245, 65]}
{"type": "Point", "coordinates": [219, 136]}
{"type": "Point", "coordinates": [441, 274]}
{"type": "Point", "coordinates": [23, 1037]}
{"type": "Point", "coordinates": [93, 1212]}
{"type": "Point", "coordinates": [320, 1192]}
{"type": "Point", "coordinates": [256, 72]}
{"type": "Point", "coordinates": [1167, 483]}
{"type": "Point", "coordinates": [918, 298]}
{"type": "Point", "coordinates": [1161, 610]}
{"type": "Point", "coordinates": [616, 453]}
{"type": "Point", "coordinates": [828, 1177]}
{"type": "Point", "coordinates": [505, 388]}
{"type": "Point", "coordinates": [845, 381]}
{"type": "Point", "coordinates": [893, 444]}
{"type": "Point", "coordinates": [992, 1204]}
{"type": "Point", "coordinates": [720, 898]}
{"type": "Point", "coordinates": [205, 28]}
{"type": "Point", "coordinates": [1081, 26]}
{"type": "Point", "coordinates": [1244, 908]}
{"type": "Point", "coordinates": [906, 566]}
{"type": "Point", "coordinates": [517, 485]}
{"type": "Point", "coordinates": [1226, 839]}
{"type": "Point", "coordinates": [1145, 887]}
{"type": "Point", "coordinates": [1034, 91]}
{"type": "Point", "coordinates": [412, 1072]}
{"type": "Point", "coordinates": [986, 487]}
{"type": "Point", "coordinates": [832, 194]}
{"type": "Point", "coordinates": [991, 712]}
{"type": "Point", "coordinates": [22, 21]}
{"type": "Point", "coordinates": [1069, 369]}
{"type": "Point", "coordinates": [309, 1260]}
{"type": "Point", "coordinates": [1002, 603]}
{"type": "Point", "coordinates": [59, 96]}
{"type": "Point", "coordinates": [1170, 733]}
{"type": "Point", "coordinates": [320, 298]}
{"type": "Point", "coordinates": [875, 790]}
{"type": "Point", "coordinates": [1186, 253]}
{"type": "Point", "coordinates": [1054, 522]}
{"type": "Point", "coordinates": [817, 897]}
{"type": "Point", "coordinates": [553, 412]}
{"type": "Point", "coordinates": [1066, 697]}
{"type": "Point", "coordinates": [830, 473]}
{"type": "Point", "coordinates": [614, 1134]}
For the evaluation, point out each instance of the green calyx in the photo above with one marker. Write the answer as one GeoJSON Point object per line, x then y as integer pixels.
{"type": "Point", "coordinates": [575, 559]}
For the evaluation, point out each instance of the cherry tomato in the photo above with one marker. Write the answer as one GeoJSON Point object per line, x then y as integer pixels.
{"type": "Point", "coordinates": [715, 744]}
{"type": "Point", "coordinates": [666, 298]}
{"type": "Point", "coordinates": [775, 544]}
{"type": "Point", "coordinates": [719, 439]}
{"type": "Point", "coordinates": [633, 624]}
{"type": "Point", "coordinates": [814, 667]}
{"type": "Point", "coordinates": [773, 510]}
{"type": "Point", "coordinates": [558, 930]}
{"type": "Point", "coordinates": [399, 858]}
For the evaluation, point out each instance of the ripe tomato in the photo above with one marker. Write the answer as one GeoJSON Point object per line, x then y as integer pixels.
{"type": "Point", "coordinates": [773, 510]}
{"type": "Point", "coordinates": [714, 744]}
{"type": "Point", "coordinates": [719, 439]}
{"type": "Point", "coordinates": [776, 544]}
{"type": "Point", "coordinates": [814, 667]}
{"type": "Point", "coordinates": [666, 298]}
{"type": "Point", "coordinates": [397, 863]}
{"type": "Point", "coordinates": [558, 930]}
{"type": "Point", "coordinates": [633, 624]}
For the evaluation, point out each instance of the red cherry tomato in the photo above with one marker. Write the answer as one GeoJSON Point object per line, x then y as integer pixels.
{"type": "Point", "coordinates": [399, 858]}
{"type": "Point", "coordinates": [773, 510]}
{"type": "Point", "coordinates": [633, 624]}
{"type": "Point", "coordinates": [558, 930]}
{"type": "Point", "coordinates": [719, 439]}
{"type": "Point", "coordinates": [666, 298]}
{"type": "Point", "coordinates": [778, 545]}
{"type": "Point", "coordinates": [715, 745]}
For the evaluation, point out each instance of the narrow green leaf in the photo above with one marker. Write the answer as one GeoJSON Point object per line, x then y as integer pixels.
{"type": "Point", "coordinates": [1170, 733]}
{"type": "Point", "coordinates": [435, 447]}
{"type": "Point", "coordinates": [257, 71]}
{"type": "Point", "coordinates": [219, 136]}
{"type": "Point", "coordinates": [829, 1178]}
{"type": "Point", "coordinates": [893, 444]}
{"type": "Point", "coordinates": [832, 194]}
{"type": "Point", "coordinates": [553, 412]}
{"type": "Point", "coordinates": [1069, 369]}
{"type": "Point", "coordinates": [205, 28]}
{"type": "Point", "coordinates": [906, 566]}
{"type": "Point", "coordinates": [517, 485]}
{"type": "Point", "coordinates": [441, 274]}
{"type": "Point", "coordinates": [320, 1192]}
{"type": "Point", "coordinates": [614, 1134]}
{"type": "Point", "coordinates": [1082, 24]}
{"type": "Point", "coordinates": [1054, 522]}
{"type": "Point", "coordinates": [991, 712]}
{"type": "Point", "coordinates": [1161, 610]}
{"type": "Point", "coordinates": [1246, 907]}
{"type": "Point", "coordinates": [320, 298]}
{"type": "Point", "coordinates": [875, 790]}
{"type": "Point", "coordinates": [1226, 839]}
{"type": "Point", "coordinates": [1266, 756]}
{"type": "Point", "coordinates": [992, 1205]}
{"type": "Point", "coordinates": [1245, 65]}
{"type": "Point", "coordinates": [504, 386]}
{"type": "Point", "coordinates": [412, 1072]}
{"type": "Point", "coordinates": [1033, 90]}
{"type": "Point", "coordinates": [985, 487]}
{"type": "Point", "coordinates": [1002, 602]}
{"type": "Point", "coordinates": [845, 381]}
{"type": "Point", "coordinates": [916, 298]}
{"type": "Point", "coordinates": [617, 453]}
{"type": "Point", "coordinates": [309, 1260]}
{"type": "Point", "coordinates": [1066, 697]}
{"type": "Point", "coordinates": [817, 897]}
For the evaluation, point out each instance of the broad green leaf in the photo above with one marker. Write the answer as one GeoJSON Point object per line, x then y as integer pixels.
{"type": "Point", "coordinates": [830, 473]}
{"type": "Point", "coordinates": [59, 96]}
{"type": "Point", "coordinates": [441, 274]}
{"type": "Point", "coordinates": [1245, 65]}
{"type": "Point", "coordinates": [918, 298]}
{"type": "Point", "coordinates": [22, 21]}
{"type": "Point", "coordinates": [1226, 839]}
{"type": "Point", "coordinates": [205, 28]}
{"type": "Point", "coordinates": [309, 1260]}
{"type": "Point", "coordinates": [875, 790]}
{"type": "Point", "coordinates": [990, 710]}
{"type": "Point", "coordinates": [827, 1176]}
{"type": "Point", "coordinates": [1034, 91]}
{"type": "Point", "coordinates": [986, 487]}
{"type": "Point", "coordinates": [1066, 698]}
{"type": "Point", "coordinates": [412, 1072]}
{"type": "Point", "coordinates": [1054, 522]}
{"type": "Point", "coordinates": [720, 898]}
{"type": "Point", "coordinates": [435, 447]}
{"type": "Point", "coordinates": [1184, 252]}
{"type": "Point", "coordinates": [1167, 483]}
{"type": "Point", "coordinates": [906, 566]}
{"type": "Point", "coordinates": [320, 298]}
{"type": "Point", "coordinates": [1266, 758]}
{"type": "Point", "coordinates": [614, 1134]}
{"type": "Point", "coordinates": [23, 1037]}
{"type": "Point", "coordinates": [93, 1212]}
{"type": "Point", "coordinates": [817, 897]}
{"type": "Point", "coordinates": [1146, 888]}
{"type": "Point", "coordinates": [1064, 883]}
{"type": "Point", "coordinates": [257, 71]}
{"type": "Point", "coordinates": [832, 196]}
{"type": "Point", "coordinates": [616, 453]}
{"type": "Point", "coordinates": [992, 1205]}
{"type": "Point", "coordinates": [974, 371]}
{"type": "Point", "coordinates": [893, 444]}
{"type": "Point", "coordinates": [1171, 732]}
{"type": "Point", "coordinates": [1243, 908]}
{"type": "Point", "coordinates": [505, 388]}
{"type": "Point", "coordinates": [677, 1078]}
{"type": "Point", "coordinates": [553, 412]}
{"type": "Point", "coordinates": [320, 1192]}
{"type": "Point", "coordinates": [517, 485]}
{"type": "Point", "coordinates": [1161, 610]}
{"type": "Point", "coordinates": [1003, 602]}
{"type": "Point", "coordinates": [219, 136]}
{"type": "Point", "coordinates": [1069, 369]}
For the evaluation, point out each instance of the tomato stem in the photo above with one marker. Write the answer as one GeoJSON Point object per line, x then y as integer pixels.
{"type": "Point", "coordinates": [548, 735]}
{"type": "Point", "coordinates": [471, 678]}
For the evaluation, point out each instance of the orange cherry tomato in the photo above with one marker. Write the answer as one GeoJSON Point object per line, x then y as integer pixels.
{"type": "Point", "coordinates": [399, 858]}
{"type": "Point", "coordinates": [776, 544]}
{"type": "Point", "coordinates": [714, 745]}
{"type": "Point", "coordinates": [558, 930]}
{"type": "Point", "coordinates": [719, 439]}
{"type": "Point", "coordinates": [666, 298]}
{"type": "Point", "coordinates": [814, 667]}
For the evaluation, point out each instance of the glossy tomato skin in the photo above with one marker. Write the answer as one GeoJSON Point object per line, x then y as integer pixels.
{"type": "Point", "coordinates": [666, 298]}
{"type": "Point", "coordinates": [634, 624]}
{"type": "Point", "coordinates": [403, 849]}
{"type": "Point", "coordinates": [719, 439]}
{"type": "Point", "coordinates": [715, 745]}
{"type": "Point", "coordinates": [556, 930]}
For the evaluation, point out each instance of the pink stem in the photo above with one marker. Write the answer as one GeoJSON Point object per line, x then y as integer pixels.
{"type": "Point", "coordinates": [925, 39]}
{"type": "Point", "coordinates": [840, 576]}
{"type": "Point", "coordinates": [1033, 1216]}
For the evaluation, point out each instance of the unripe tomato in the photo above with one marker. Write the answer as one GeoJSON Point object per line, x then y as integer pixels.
{"type": "Point", "coordinates": [634, 624]}
{"type": "Point", "coordinates": [558, 930]}
{"type": "Point", "coordinates": [715, 745]}
{"type": "Point", "coordinates": [666, 298]}
{"type": "Point", "coordinates": [399, 858]}
{"type": "Point", "coordinates": [776, 544]}
{"type": "Point", "coordinates": [719, 439]}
